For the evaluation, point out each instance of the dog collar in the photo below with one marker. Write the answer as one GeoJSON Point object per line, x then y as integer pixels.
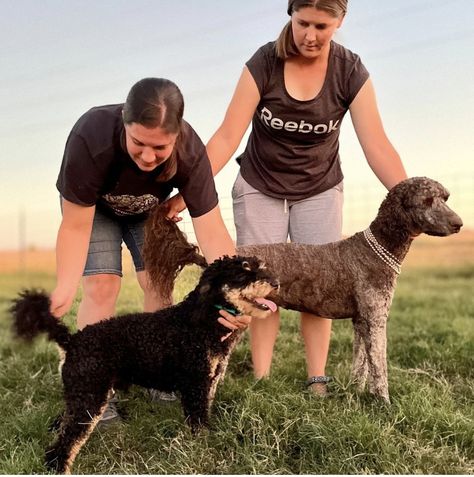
{"type": "Point", "coordinates": [229, 310]}
{"type": "Point", "coordinates": [382, 252]}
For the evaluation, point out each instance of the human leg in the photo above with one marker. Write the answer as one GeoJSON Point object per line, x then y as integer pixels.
{"type": "Point", "coordinates": [317, 220]}
{"type": "Point", "coordinates": [260, 219]}
{"type": "Point", "coordinates": [316, 332]}
{"type": "Point", "coordinates": [133, 236]}
{"type": "Point", "coordinates": [263, 335]}
{"type": "Point", "coordinates": [152, 300]}
{"type": "Point", "coordinates": [99, 296]}
{"type": "Point", "coordinates": [102, 274]}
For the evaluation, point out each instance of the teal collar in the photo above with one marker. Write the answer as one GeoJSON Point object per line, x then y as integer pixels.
{"type": "Point", "coordinates": [229, 310]}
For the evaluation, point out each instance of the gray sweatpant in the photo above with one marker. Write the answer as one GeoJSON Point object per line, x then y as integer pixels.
{"type": "Point", "coordinates": [262, 219]}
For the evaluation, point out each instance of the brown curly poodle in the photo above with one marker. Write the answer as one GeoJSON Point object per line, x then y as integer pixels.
{"type": "Point", "coordinates": [352, 278]}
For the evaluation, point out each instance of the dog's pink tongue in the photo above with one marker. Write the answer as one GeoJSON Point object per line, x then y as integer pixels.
{"type": "Point", "coordinates": [263, 301]}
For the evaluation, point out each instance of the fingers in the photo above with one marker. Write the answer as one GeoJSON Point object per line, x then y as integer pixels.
{"type": "Point", "coordinates": [58, 311]}
{"type": "Point", "coordinates": [226, 336]}
{"type": "Point", "coordinates": [172, 214]}
{"type": "Point", "coordinates": [61, 303]}
{"type": "Point", "coordinates": [227, 324]}
{"type": "Point", "coordinates": [175, 205]}
{"type": "Point", "coordinates": [233, 322]}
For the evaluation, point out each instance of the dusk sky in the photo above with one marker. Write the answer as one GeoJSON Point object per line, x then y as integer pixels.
{"type": "Point", "coordinates": [59, 58]}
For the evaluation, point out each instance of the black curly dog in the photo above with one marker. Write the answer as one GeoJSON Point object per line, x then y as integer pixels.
{"type": "Point", "coordinates": [179, 349]}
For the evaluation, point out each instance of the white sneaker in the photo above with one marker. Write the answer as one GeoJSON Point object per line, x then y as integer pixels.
{"type": "Point", "coordinates": [111, 413]}
{"type": "Point", "coordinates": [157, 396]}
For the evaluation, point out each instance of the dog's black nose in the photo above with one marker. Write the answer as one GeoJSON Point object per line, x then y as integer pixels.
{"type": "Point", "coordinates": [275, 283]}
{"type": "Point", "coordinates": [456, 224]}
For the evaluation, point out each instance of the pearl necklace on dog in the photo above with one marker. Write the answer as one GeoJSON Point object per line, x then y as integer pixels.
{"type": "Point", "coordinates": [382, 252]}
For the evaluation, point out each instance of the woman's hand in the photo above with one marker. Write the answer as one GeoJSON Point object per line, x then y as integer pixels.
{"type": "Point", "coordinates": [175, 205]}
{"type": "Point", "coordinates": [61, 301]}
{"type": "Point", "coordinates": [233, 322]}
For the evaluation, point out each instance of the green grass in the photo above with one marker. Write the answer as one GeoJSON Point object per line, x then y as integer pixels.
{"type": "Point", "coordinates": [273, 426]}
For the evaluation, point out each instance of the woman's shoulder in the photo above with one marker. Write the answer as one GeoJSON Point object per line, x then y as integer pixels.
{"type": "Point", "coordinates": [262, 64]}
{"type": "Point", "coordinates": [266, 51]}
{"type": "Point", "coordinates": [190, 138]}
{"type": "Point", "coordinates": [98, 120]}
{"type": "Point", "coordinates": [191, 146]}
{"type": "Point", "coordinates": [342, 53]}
{"type": "Point", "coordinates": [269, 48]}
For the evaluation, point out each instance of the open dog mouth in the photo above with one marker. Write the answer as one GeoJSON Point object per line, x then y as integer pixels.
{"type": "Point", "coordinates": [263, 304]}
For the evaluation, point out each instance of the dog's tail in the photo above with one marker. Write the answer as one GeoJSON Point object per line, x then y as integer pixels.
{"type": "Point", "coordinates": [166, 251]}
{"type": "Point", "coordinates": [31, 316]}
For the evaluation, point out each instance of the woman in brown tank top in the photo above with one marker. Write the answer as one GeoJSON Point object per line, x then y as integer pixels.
{"type": "Point", "coordinates": [295, 92]}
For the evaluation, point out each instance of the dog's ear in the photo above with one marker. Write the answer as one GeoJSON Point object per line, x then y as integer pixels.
{"type": "Point", "coordinates": [246, 266]}
{"type": "Point", "coordinates": [204, 288]}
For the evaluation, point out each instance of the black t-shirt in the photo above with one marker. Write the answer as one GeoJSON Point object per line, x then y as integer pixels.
{"type": "Point", "coordinates": [293, 149]}
{"type": "Point", "coordinates": [96, 169]}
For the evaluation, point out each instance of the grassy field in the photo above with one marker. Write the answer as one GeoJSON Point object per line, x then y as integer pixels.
{"type": "Point", "coordinates": [273, 426]}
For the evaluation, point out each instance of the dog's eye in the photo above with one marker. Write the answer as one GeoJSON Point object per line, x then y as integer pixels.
{"type": "Point", "coordinates": [428, 201]}
{"type": "Point", "coordinates": [246, 266]}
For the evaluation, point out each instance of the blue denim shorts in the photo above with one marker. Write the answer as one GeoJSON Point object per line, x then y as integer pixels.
{"type": "Point", "coordinates": [105, 247]}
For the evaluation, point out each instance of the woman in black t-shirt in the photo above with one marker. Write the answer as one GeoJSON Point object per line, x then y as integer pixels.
{"type": "Point", "coordinates": [296, 91]}
{"type": "Point", "coordinates": [119, 161]}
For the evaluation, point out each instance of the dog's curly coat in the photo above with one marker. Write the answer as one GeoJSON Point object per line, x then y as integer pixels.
{"type": "Point", "coordinates": [179, 349]}
{"type": "Point", "coordinates": [344, 279]}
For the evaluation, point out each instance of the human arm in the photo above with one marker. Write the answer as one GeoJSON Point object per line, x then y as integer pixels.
{"type": "Point", "coordinates": [226, 139]}
{"type": "Point", "coordinates": [71, 253]}
{"type": "Point", "coordinates": [242, 106]}
{"type": "Point", "coordinates": [215, 242]}
{"type": "Point", "coordinates": [212, 235]}
{"type": "Point", "coordinates": [381, 156]}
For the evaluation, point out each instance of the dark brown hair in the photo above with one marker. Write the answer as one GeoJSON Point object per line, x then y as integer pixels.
{"type": "Point", "coordinates": [157, 102]}
{"type": "Point", "coordinates": [285, 45]}
{"type": "Point", "coordinates": [166, 251]}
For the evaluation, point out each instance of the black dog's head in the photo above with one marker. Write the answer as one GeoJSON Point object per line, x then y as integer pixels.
{"type": "Point", "coordinates": [241, 282]}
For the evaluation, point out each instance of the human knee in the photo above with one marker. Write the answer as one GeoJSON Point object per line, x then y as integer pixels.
{"type": "Point", "coordinates": [101, 289]}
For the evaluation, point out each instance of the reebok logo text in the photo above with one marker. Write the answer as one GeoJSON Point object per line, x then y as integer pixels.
{"type": "Point", "coordinates": [292, 126]}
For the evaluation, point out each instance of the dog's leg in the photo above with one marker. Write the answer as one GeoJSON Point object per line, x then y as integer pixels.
{"type": "Point", "coordinates": [374, 335]}
{"type": "Point", "coordinates": [56, 424]}
{"type": "Point", "coordinates": [82, 414]}
{"type": "Point", "coordinates": [360, 365]}
{"type": "Point", "coordinates": [194, 399]}
{"type": "Point", "coordinates": [219, 368]}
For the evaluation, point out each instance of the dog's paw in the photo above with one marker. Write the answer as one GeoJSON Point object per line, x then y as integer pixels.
{"type": "Point", "coordinates": [53, 462]}
{"type": "Point", "coordinates": [56, 424]}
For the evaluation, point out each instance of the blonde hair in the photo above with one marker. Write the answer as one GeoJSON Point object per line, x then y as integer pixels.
{"type": "Point", "coordinates": [285, 45]}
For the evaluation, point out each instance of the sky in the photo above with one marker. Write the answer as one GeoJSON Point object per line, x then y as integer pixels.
{"type": "Point", "coordinates": [59, 58]}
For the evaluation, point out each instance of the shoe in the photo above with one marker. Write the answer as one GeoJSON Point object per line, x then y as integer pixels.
{"type": "Point", "coordinates": [318, 385]}
{"type": "Point", "coordinates": [157, 396]}
{"type": "Point", "coordinates": [111, 414]}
